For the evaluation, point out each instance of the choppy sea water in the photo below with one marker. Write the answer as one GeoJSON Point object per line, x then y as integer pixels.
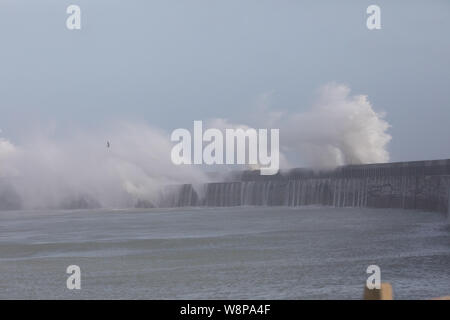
{"type": "Point", "coordinates": [229, 253]}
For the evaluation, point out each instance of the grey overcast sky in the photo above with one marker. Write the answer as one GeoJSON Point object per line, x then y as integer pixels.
{"type": "Point", "coordinates": [171, 62]}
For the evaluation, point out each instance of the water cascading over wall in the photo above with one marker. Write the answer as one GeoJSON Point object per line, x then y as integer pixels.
{"type": "Point", "coordinates": [421, 185]}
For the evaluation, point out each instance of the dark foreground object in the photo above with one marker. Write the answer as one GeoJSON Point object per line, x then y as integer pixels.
{"type": "Point", "coordinates": [268, 309]}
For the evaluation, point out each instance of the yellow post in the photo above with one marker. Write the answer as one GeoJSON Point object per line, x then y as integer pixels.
{"type": "Point", "coordinates": [384, 293]}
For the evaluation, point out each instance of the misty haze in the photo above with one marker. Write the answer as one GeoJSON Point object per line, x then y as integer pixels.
{"type": "Point", "coordinates": [91, 92]}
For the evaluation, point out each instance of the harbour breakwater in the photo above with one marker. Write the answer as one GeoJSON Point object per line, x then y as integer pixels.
{"type": "Point", "coordinates": [423, 185]}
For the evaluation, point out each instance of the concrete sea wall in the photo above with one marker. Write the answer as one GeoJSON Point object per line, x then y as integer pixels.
{"type": "Point", "coordinates": [423, 185]}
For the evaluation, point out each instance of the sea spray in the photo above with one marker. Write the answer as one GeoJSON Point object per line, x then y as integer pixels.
{"type": "Point", "coordinates": [78, 171]}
